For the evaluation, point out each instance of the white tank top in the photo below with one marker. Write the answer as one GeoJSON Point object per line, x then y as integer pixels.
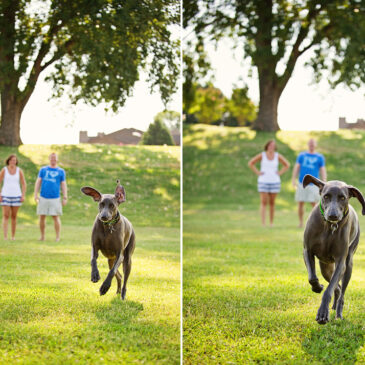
{"type": "Point", "coordinates": [11, 185]}
{"type": "Point", "coordinates": [270, 169]}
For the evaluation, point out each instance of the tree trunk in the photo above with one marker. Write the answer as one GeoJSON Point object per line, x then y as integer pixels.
{"type": "Point", "coordinates": [267, 119]}
{"type": "Point", "coordinates": [11, 111]}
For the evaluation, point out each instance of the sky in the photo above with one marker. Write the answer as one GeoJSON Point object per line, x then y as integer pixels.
{"type": "Point", "coordinates": [57, 121]}
{"type": "Point", "coordinates": [303, 104]}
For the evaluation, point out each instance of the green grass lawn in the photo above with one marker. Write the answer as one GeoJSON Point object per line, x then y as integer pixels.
{"type": "Point", "coordinates": [246, 298]}
{"type": "Point", "coordinates": [50, 311]}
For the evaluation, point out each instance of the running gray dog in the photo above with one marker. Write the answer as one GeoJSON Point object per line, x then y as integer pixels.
{"type": "Point", "coordinates": [332, 235]}
{"type": "Point", "coordinates": [114, 236]}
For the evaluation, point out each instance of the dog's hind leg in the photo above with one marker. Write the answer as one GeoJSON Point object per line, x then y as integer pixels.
{"type": "Point", "coordinates": [127, 263]}
{"type": "Point", "coordinates": [347, 275]}
{"type": "Point", "coordinates": [127, 266]}
{"type": "Point", "coordinates": [327, 272]}
{"type": "Point", "coordinates": [118, 275]}
{"type": "Point", "coordinates": [345, 281]}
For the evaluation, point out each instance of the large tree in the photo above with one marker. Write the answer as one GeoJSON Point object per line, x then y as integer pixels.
{"type": "Point", "coordinates": [94, 50]}
{"type": "Point", "coordinates": [275, 33]}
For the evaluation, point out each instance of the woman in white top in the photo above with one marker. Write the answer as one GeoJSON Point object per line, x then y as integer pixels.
{"type": "Point", "coordinates": [269, 177]}
{"type": "Point", "coordinates": [12, 195]}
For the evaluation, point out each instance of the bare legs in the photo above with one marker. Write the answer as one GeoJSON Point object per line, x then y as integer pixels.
{"type": "Point", "coordinates": [7, 213]}
{"type": "Point", "coordinates": [57, 226]}
{"type": "Point", "coordinates": [267, 198]}
{"type": "Point", "coordinates": [301, 212]}
{"type": "Point", "coordinates": [42, 226]}
{"type": "Point", "coordinates": [14, 212]}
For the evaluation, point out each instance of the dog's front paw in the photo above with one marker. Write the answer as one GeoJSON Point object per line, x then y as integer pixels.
{"type": "Point", "coordinates": [124, 292]}
{"type": "Point", "coordinates": [95, 277]}
{"type": "Point", "coordinates": [104, 287]}
{"type": "Point", "coordinates": [323, 315]}
{"type": "Point", "coordinates": [316, 286]}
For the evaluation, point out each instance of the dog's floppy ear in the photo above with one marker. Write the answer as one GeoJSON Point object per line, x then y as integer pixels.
{"type": "Point", "coordinates": [355, 193]}
{"type": "Point", "coordinates": [311, 179]}
{"type": "Point", "coordinates": [120, 193]}
{"type": "Point", "coordinates": [87, 190]}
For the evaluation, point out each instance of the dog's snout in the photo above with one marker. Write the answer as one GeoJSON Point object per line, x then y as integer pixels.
{"type": "Point", "coordinates": [333, 217]}
{"type": "Point", "coordinates": [104, 216]}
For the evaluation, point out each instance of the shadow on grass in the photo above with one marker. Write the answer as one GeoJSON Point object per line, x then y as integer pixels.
{"type": "Point", "coordinates": [119, 312]}
{"type": "Point", "coordinates": [337, 342]}
{"type": "Point", "coordinates": [120, 327]}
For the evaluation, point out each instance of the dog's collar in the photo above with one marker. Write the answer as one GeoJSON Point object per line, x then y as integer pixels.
{"type": "Point", "coordinates": [112, 222]}
{"type": "Point", "coordinates": [334, 225]}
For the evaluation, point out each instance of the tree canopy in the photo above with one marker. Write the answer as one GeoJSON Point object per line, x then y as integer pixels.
{"type": "Point", "coordinates": [97, 50]}
{"type": "Point", "coordinates": [170, 118]}
{"type": "Point", "coordinates": [210, 106]}
{"type": "Point", "coordinates": [275, 33]}
{"type": "Point", "coordinates": [157, 134]}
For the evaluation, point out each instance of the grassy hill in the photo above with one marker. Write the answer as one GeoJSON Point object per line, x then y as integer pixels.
{"type": "Point", "coordinates": [245, 292]}
{"type": "Point", "coordinates": [216, 171]}
{"type": "Point", "coordinates": [50, 311]}
{"type": "Point", "coordinates": [150, 175]}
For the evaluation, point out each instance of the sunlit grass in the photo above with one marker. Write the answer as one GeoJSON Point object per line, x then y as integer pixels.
{"type": "Point", "coordinates": [246, 297]}
{"type": "Point", "coordinates": [50, 311]}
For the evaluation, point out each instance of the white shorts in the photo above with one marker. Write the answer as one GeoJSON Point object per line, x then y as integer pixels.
{"type": "Point", "coordinates": [49, 206]}
{"type": "Point", "coordinates": [309, 194]}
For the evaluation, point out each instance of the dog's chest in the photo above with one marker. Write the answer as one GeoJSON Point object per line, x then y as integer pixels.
{"type": "Point", "coordinates": [327, 247]}
{"type": "Point", "coordinates": [110, 244]}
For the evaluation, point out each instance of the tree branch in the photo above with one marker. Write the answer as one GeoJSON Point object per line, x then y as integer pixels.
{"type": "Point", "coordinates": [37, 66]}
{"type": "Point", "coordinates": [295, 53]}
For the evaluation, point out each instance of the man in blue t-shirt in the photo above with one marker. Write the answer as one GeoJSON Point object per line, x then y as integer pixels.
{"type": "Point", "coordinates": [308, 162]}
{"type": "Point", "coordinates": [51, 179]}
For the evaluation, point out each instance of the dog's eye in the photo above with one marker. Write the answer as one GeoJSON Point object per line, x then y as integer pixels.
{"type": "Point", "coordinates": [326, 197]}
{"type": "Point", "coordinates": [342, 197]}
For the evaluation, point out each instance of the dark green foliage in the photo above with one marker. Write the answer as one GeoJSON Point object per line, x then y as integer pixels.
{"type": "Point", "coordinates": [97, 50]}
{"type": "Point", "coordinates": [157, 134]}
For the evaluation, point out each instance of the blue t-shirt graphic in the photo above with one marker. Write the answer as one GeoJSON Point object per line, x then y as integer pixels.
{"type": "Point", "coordinates": [310, 163]}
{"type": "Point", "coordinates": [51, 181]}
